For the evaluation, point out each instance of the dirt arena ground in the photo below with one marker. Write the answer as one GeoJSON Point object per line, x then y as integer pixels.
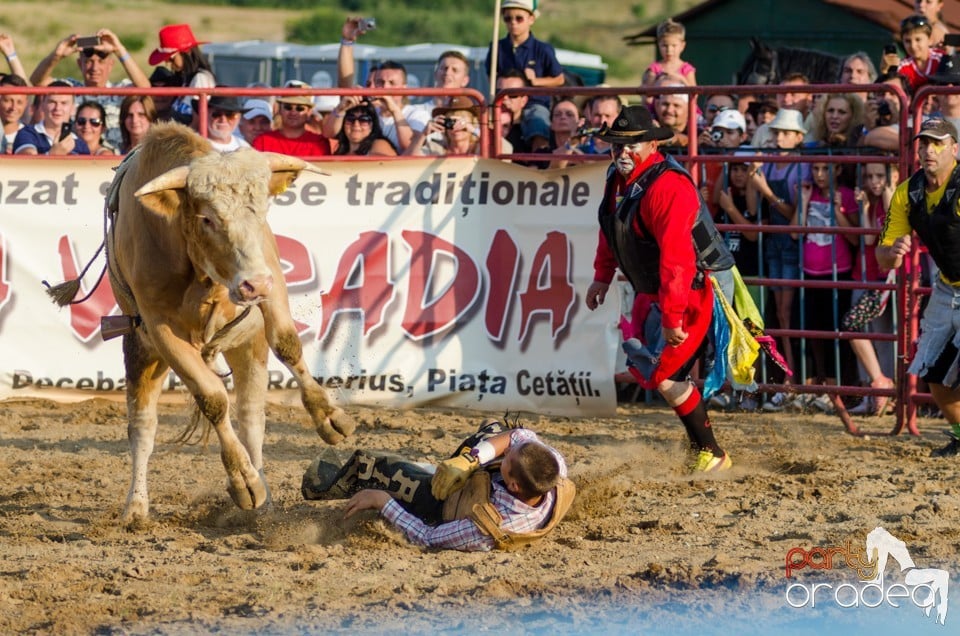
{"type": "Point", "coordinates": [646, 549]}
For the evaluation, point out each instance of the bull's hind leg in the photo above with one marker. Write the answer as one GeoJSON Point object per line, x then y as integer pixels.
{"type": "Point", "coordinates": [332, 423]}
{"type": "Point", "coordinates": [145, 373]}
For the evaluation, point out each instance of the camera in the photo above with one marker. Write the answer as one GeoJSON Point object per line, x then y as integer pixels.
{"type": "Point", "coordinates": [449, 123]}
{"type": "Point", "coordinates": [367, 24]}
{"type": "Point", "coordinates": [585, 132]}
{"type": "Point", "coordinates": [883, 108]}
{"type": "Point", "coordinates": [65, 129]}
{"type": "Point", "coordinates": [890, 49]}
{"type": "Point", "coordinates": [88, 41]}
{"type": "Point", "coordinates": [716, 134]}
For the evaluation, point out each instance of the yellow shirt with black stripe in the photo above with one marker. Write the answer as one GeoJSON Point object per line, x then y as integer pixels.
{"type": "Point", "coordinates": [897, 223]}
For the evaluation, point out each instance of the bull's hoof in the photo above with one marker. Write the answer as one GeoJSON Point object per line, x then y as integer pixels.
{"type": "Point", "coordinates": [135, 512]}
{"type": "Point", "coordinates": [328, 433]}
{"type": "Point", "coordinates": [342, 422]}
{"type": "Point", "coordinates": [248, 496]}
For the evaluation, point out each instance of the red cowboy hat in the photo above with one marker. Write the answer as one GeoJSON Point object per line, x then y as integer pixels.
{"type": "Point", "coordinates": [174, 38]}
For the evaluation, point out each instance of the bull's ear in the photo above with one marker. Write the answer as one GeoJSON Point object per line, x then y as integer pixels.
{"type": "Point", "coordinates": [285, 170]}
{"type": "Point", "coordinates": [164, 202]}
{"type": "Point", "coordinates": [280, 181]}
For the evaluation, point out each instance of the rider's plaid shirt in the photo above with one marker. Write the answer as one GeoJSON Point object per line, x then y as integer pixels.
{"type": "Point", "coordinates": [464, 534]}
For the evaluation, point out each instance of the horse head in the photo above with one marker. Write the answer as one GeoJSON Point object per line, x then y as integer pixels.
{"type": "Point", "coordinates": [760, 67]}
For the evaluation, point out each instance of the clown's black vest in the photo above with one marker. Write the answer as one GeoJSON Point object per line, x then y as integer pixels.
{"type": "Point", "coordinates": [939, 230]}
{"type": "Point", "coordinates": [639, 256]}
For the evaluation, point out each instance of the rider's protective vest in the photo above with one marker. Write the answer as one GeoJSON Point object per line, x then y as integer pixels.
{"type": "Point", "coordinates": [639, 256]}
{"type": "Point", "coordinates": [473, 502]}
{"type": "Point", "coordinates": [940, 229]}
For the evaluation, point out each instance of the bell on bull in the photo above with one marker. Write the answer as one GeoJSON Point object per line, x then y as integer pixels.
{"type": "Point", "coordinates": [195, 269]}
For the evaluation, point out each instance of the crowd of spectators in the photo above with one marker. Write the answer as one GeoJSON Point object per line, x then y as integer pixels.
{"type": "Point", "coordinates": [740, 192]}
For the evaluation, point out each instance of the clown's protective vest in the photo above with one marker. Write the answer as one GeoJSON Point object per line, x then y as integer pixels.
{"type": "Point", "coordinates": [639, 256]}
{"type": "Point", "coordinates": [940, 229]}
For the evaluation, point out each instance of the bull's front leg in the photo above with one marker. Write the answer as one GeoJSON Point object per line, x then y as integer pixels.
{"type": "Point", "coordinates": [332, 423]}
{"type": "Point", "coordinates": [244, 482]}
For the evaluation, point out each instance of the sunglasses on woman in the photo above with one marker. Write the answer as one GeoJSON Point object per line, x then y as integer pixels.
{"type": "Point", "coordinates": [297, 107]}
{"type": "Point", "coordinates": [93, 121]}
{"type": "Point", "coordinates": [363, 119]}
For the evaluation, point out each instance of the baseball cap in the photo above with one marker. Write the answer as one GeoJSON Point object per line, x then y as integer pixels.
{"type": "Point", "coordinates": [730, 119]}
{"type": "Point", "coordinates": [257, 107]}
{"type": "Point", "coordinates": [938, 129]}
{"type": "Point", "coordinates": [306, 100]}
{"type": "Point", "coordinates": [529, 6]}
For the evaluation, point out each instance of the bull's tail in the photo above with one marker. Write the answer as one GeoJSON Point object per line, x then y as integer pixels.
{"type": "Point", "coordinates": [63, 294]}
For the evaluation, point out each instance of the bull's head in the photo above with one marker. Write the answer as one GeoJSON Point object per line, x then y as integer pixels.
{"type": "Point", "coordinates": [220, 202]}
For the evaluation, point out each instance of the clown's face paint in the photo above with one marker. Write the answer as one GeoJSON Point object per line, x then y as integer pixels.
{"type": "Point", "coordinates": [628, 157]}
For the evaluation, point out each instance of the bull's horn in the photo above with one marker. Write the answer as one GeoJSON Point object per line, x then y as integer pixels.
{"type": "Point", "coordinates": [280, 163]}
{"type": "Point", "coordinates": [175, 178]}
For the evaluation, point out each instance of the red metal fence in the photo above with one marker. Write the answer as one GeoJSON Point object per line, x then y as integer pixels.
{"type": "Point", "coordinates": [907, 290]}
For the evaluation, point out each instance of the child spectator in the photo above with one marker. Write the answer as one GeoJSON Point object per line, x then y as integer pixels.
{"type": "Point", "coordinates": [536, 59]}
{"type": "Point", "coordinates": [730, 192]}
{"type": "Point", "coordinates": [727, 132]}
{"type": "Point", "coordinates": [671, 41]}
{"type": "Point", "coordinates": [922, 60]}
{"type": "Point", "coordinates": [826, 257]}
{"type": "Point", "coordinates": [876, 358]}
{"type": "Point", "coordinates": [778, 186]}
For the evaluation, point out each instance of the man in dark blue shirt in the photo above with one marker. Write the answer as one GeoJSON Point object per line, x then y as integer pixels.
{"type": "Point", "coordinates": [536, 60]}
{"type": "Point", "coordinates": [53, 135]}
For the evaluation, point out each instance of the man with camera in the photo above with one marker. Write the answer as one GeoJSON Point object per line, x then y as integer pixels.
{"type": "Point", "coordinates": [399, 119]}
{"type": "Point", "coordinates": [452, 130]}
{"type": "Point", "coordinates": [96, 63]}
{"type": "Point", "coordinates": [52, 135]}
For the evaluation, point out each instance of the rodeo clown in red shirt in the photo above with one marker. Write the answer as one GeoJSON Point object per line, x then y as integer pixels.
{"type": "Point", "coordinates": [649, 212]}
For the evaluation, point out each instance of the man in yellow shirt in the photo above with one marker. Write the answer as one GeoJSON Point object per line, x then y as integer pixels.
{"type": "Point", "coordinates": [927, 203]}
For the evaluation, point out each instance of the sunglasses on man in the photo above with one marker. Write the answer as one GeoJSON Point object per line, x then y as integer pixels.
{"type": "Point", "coordinates": [90, 52]}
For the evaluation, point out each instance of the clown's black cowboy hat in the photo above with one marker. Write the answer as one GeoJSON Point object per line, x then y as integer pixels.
{"type": "Point", "coordinates": [948, 72]}
{"type": "Point", "coordinates": [633, 125]}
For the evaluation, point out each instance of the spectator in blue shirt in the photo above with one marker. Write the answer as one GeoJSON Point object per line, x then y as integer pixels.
{"type": "Point", "coordinates": [53, 135]}
{"type": "Point", "coordinates": [536, 60]}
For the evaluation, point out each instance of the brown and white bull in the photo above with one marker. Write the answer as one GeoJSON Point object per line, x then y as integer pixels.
{"type": "Point", "coordinates": [190, 253]}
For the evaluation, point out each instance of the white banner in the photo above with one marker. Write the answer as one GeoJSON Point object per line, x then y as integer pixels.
{"type": "Point", "coordinates": [454, 281]}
